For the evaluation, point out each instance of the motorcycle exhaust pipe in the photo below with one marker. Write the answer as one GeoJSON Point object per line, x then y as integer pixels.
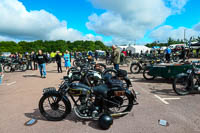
{"type": "Point", "coordinates": [119, 114]}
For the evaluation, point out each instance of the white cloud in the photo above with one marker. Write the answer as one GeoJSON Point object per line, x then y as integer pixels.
{"type": "Point", "coordinates": [16, 22]}
{"type": "Point", "coordinates": [177, 5]}
{"type": "Point", "coordinates": [129, 20]}
{"type": "Point", "coordinates": [164, 32]}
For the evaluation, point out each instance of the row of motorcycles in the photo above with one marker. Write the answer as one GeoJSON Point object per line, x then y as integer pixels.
{"type": "Point", "coordinates": [13, 64]}
{"type": "Point", "coordinates": [97, 93]}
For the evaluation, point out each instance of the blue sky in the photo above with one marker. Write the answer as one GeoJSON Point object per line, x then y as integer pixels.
{"type": "Point", "coordinates": [112, 21]}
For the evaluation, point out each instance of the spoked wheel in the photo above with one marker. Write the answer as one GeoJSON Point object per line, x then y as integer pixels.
{"type": "Point", "coordinates": [7, 68]}
{"type": "Point", "coordinates": [135, 68]}
{"type": "Point", "coordinates": [108, 62]}
{"type": "Point", "coordinates": [53, 107]}
{"type": "Point", "coordinates": [121, 104]}
{"type": "Point", "coordinates": [23, 67]}
{"type": "Point", "coordinates": [147, 76]}
{"type": "Point", "coordinates": [180, 86]}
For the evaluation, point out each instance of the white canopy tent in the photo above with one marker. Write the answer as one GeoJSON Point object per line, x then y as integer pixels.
{"type": "Point", "coordinates": [138, 48]}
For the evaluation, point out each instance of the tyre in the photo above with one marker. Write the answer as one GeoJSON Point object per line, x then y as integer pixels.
{"type": "Point", "coordinates": [7, 68]}
{"type": "Point", "coordinates": [180, 85]}
{"type": "Point", "coordinates": [135, 68]}
{"type": "Point", "coordinates": [75, 63]}
{"type": "Point", "coordinates": [58, 108]}
{"type": "Point", "coordinates": [110, 71]}
{"type": "Point", "coordinates": [23, 67]}
{"type": "Point", "coordinates": [122, 104]}
{"type": "Point", "coordinates": [108, 62]}
{"type": "Point", "coordinates": [147, 76]}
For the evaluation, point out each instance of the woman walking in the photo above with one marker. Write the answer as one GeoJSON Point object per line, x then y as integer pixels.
{"type": "Point", "coordinates": [67, 60]}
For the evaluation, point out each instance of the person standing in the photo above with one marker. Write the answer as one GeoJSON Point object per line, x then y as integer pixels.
{"type": "Point", "coordinates": [116, 57]}
{"type": "Point", "coordinates": [58, 61]}
{"type": "Point", "coordinates": [42, 60]}
{"type": "Point", "coordinates": [168, 53]}
{"type": "Point", "coordinates": [28, 57]}
{"type": "Point", "coordinates": [34, 58]}
{"type": "Point", "coordinates": [67, 60]}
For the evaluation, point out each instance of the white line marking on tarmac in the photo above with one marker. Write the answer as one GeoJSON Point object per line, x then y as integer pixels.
{"type": "Point", "coordinates": [161, 99]}
{"type": "Point", "coordinates": [8, 84]}
{"type": "Point", "coordinates": [164, 99]}
{"type": "Point", "coordinates": [172, 98]}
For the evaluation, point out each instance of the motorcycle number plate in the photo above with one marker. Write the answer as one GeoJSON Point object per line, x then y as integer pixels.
{"type": "Point", "coordinates": [119, 93]}
{"type": "Point", "coordinates": [48, 89]}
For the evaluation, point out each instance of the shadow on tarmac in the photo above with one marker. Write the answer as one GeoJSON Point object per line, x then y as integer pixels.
{"type": "Point", "coordinates": [71, 117]}
{"type": "Point", "coordinates": [31, 76]}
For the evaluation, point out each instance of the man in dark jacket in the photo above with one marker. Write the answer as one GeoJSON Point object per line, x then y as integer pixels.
{"type": "Point", "coordinates": [34, 60]}
{"type": "Point", "coordinates": [42, 59]}
{"type": "Point", "coordinates": [58, 61]}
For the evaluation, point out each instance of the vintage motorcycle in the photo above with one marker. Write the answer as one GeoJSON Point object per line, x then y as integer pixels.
{"type": "Point", "coordinates": [189, 82]}
{"type": "Point", "coordinates": [16, 64]}
{"type": "Point", "coordinates": [89, 102]}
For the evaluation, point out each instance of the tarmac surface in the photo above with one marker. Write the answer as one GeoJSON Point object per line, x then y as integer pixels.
{"type": "Point", "coordinates": [21, 92]}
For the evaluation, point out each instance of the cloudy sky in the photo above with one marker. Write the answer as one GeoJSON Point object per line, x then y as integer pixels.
{"type": "Point", "coordinates": [112, 21]}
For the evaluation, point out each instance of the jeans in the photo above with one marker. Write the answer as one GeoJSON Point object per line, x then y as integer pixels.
{"type": "Point", "coordinates": [116, 66]}
{"type": "Point", "coordinates": [42, 68]}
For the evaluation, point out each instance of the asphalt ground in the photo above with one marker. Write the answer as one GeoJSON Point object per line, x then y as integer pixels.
{"type": "Point", "coordinates": [21, 92]}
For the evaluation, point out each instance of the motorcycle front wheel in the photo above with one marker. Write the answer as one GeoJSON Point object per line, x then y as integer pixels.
{"type": "Point", "coordinates": [135, 68]}
{"type": "Point", "coordinates": [7, 68]}
{"type": "Point", "coordinates": [180, 86]}
{"type": "Point", "coordinates": [53, 107]}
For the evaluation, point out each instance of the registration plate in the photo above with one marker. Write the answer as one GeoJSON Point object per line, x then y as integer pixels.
{"type": "Point", "coordinates": [49, 89]}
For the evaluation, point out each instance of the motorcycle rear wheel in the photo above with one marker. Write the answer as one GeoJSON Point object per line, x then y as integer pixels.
{"type": "Point", "coordinates": [126, 108]}
{"type": "Point", "coordinates": [180, 86]}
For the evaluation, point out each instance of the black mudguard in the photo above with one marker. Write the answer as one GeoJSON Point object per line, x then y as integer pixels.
{"type": "Point", "coordinates": [128, 81]}
{"type": "Point", "coordinates": [56, 93]}
{"type": "Point", "coordinates": [181, 75]}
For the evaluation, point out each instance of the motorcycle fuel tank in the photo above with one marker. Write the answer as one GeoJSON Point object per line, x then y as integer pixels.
{"type": "Point", "coordinates": [78, 89]}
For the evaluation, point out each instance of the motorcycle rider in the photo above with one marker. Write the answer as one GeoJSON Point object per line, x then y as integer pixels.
{"type": "Point", "coordinates": [42, 60]}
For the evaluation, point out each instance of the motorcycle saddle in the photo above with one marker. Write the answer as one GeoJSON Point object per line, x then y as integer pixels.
{"type": "Point", "coordinates": [101, 90]}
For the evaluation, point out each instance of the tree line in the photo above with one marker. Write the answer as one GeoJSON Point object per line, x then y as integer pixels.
{"type": "Point", "coordinates": [51, 46]}
{"type": "Point", "coordinates": [170, 42]}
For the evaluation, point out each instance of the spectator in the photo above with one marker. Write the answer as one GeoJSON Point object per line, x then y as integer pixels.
{"type": "Point", "coordinates": [58, 61]}
{"type": "Point", "coordinates": [42, 60]}
{"type": "Point", "coordinates": [67, 60]}
{"type": "Point", "coordinates": [124, 52]}
{"type": "Point", "coordinates": [168, 53]}
{"type": "Point", "coordinates": [28, 57]}
{"type": "Point", "coordinates": [34, 55]}
{"type": "Point", "coordinates": [116, 57]}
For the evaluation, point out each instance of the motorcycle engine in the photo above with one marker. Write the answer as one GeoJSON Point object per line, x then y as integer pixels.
{"type": "Point", "coordinates": [87, 109]}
